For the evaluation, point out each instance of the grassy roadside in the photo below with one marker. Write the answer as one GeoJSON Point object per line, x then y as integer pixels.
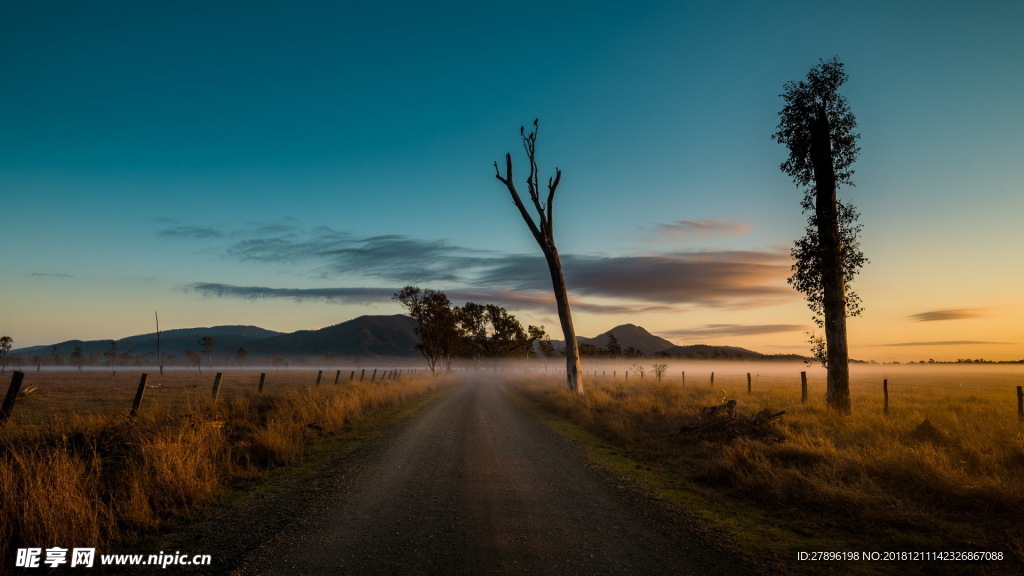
{"type": "Point", "coordinates": [772, 506]}
{"type": "Point", "coordinates": [100, 480]}
{"type": "Point", "coordinates": [252, 514]}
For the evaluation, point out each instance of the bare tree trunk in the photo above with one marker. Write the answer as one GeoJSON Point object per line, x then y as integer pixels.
{"type": "Point", "coordinates": [833, 278]}
{"type": "Point", "coordinates": [543, 232]}
{"type": "Point", "coordinates": [573, 374]}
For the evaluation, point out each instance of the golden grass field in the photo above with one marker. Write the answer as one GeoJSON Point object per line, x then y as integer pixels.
{"type": "Point", "coordinates": [866, 481]}
{"type": "Point", "coordinates": [76, 470]}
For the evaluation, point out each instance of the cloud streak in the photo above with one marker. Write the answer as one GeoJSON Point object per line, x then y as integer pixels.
{"type": "Point", "coordinates": [950, 314]}
{"type": "Point", "coordinates": [600, 284]}
{"type": "Point", "coordinates": [335, 295]}
{"type": "Point", "coordinates": [190, 233]}
{"type": "Point", "coordinates": [41, 275]}
{"type": "Point", "coordinates": [949, 343]}
{"type": "Point", "coordinates": [697, 230]}
{"type": "Point", "coordinates": [719, 330]}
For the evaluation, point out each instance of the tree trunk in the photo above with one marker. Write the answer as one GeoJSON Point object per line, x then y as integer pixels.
{"type": "Point", "coordinates": [833, 280]}
{"type": "Point", "coordinates": [573, 375]}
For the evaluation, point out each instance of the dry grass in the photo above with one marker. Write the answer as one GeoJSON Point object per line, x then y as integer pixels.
{"type": "Point", "coordinates": [75, 470]}
{"type": "Point", "coordinates": [892, 482]}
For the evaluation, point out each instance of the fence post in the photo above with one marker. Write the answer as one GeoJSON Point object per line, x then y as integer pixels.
{"type": "Point", "coordinates": [263, 378]}
{"type": "Point", "coordinates": [12, 393]}
{"type": "Point", "coordinates": [748, 383]}
{"type": "Point", "coordinates": [216, 384]}
{"type": "Point", "coordinates": [374, 377]}
{"type": "Point", "coordinates": [362, 375]}
{"type": "Point", "coordinates": [352, 376]}
{"type": "Point", "coordinates": [319, 375]}
{"type": "Point", "coordinates": [337, 377]}
{"type": "Point", "coordinates": [138, 395]}
{"type": "Point", "coordinates": [712, 378]}
{"type": "Point", "coordinates": [684, 378]}
{"type": "Point", "coordinates": [803, 387]}
{"type": "Point", "coordinates": [885, 396]}
{"type": "Point", "coordinates": [1020, 403]}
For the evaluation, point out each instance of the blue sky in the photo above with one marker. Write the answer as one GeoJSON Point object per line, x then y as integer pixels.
{"type": "Point", "coordinates": [290, 165]}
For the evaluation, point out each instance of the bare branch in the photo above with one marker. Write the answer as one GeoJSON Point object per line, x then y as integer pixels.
{"type": "Point", "coordinates": [552, 185]}
{"type": "Point", "coordinates": [510, 184]}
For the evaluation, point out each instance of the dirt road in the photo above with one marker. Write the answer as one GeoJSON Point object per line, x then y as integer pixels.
{"type": "Point", "coordinates": [473, 485]}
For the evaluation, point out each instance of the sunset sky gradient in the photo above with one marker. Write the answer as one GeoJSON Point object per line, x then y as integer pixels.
{"type": "Point", "coordinates": [293, 165]}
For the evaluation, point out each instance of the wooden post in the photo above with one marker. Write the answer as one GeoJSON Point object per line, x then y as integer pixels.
{"type": "Point", "coordinates": [216, 384]}
{"type": "Point", "coordinates": [885, 396]}
{"type": "Point", "coordinates": [337, 377]}
{"type": "Point", "coordinates": [138, 395]}
{"type": "Point", "coordinates": [263, 378]}
{"type": "Point", "coordinates": [12, 393]}
{"type": "Point", "coordinates": [684, 378]}
{"type": "Point", "coordinates": [803, 387]}
{"type": "Point", "coordinates": [362, 375]}
{"type": "Point", "coordinates": [374, 377]}
{"type": "Point", "coordinates": [1020, 403]}
{"type": "Point", "coordinates": [319, 375]}
{"type": "Point", "coordinates": [712, 378]}
{"type": "Point", "coordinates": [352, 376]}
{"type": "Point", "coordinates": [748, 383]}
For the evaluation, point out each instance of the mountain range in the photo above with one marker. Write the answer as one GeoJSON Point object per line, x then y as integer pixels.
{"type": "Point", "coordinates": [366, 337]}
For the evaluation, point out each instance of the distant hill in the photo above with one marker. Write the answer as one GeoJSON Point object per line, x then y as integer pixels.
{"type": "Point", "coordinates": [631, 335]}
{"type": "Point", "coordinates": [172, 342]}
{"type": "Point", "coordinates": [363, 336]}
{"type": "Point", "coordinates": [708, 352]}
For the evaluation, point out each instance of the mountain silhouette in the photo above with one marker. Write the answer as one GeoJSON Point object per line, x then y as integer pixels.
{"type": "Point", "coordinates": [363, 337]}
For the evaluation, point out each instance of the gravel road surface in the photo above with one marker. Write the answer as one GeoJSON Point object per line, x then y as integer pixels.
{"type": "Point", "coordinates": [473, 485]}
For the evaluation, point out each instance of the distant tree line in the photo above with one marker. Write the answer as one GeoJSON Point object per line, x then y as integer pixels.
{"type": "Point", "coordinates": [478, 332]}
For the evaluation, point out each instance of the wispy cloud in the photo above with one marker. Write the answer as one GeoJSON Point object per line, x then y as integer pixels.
{"type": "Point", "coordinates": [333, 253]}
{"type": "Point", "coordinates": [950, 314]}
{"type": "Point", "coordinates": [714, 278]}
{"type": "Point", "coordinates": [337, 295]}
{"type": "Point", "coordinates": [657, 282]}
{"type": "Point", "coordinates": [545, 301]}
{"type": "Point", "coordinates": [190, 232]}
{"type": "Point", "coordinates": [511, 299]}
{"type": "Point", "coordinates": [948, 343]}
{"type": "Point", "coordinates": [697, 229]}
{"type": "Point", "coordinates": [41, 275]}
{"type": "Point", "coordinates": [717, 330]}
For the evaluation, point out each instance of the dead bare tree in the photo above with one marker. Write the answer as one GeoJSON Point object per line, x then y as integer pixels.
{"type": "Point", "coordinates": [543, 230]}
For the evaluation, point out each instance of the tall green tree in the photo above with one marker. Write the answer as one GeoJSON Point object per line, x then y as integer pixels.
{"type": "Point", "coordinates": [436, 325]}
{"type": "Point", "coordinates": [817, 126]}
{"type": "Point", "coordinates": [78, 356]}
{"type": "Point", "coordinates": [490, 331]}
{"type": "Point", "coordinates": [6, 342]}
{"type": "Point", "coordinates": [613, 348]}
{"type": "Point", "coordinates": [536, 336]}
{"type": "Point", "coordinates": [207, 343]}
{"type": "Point", "coordinates": [111, 355]}
{"type": "Point", "coordinates": [543, 230]}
